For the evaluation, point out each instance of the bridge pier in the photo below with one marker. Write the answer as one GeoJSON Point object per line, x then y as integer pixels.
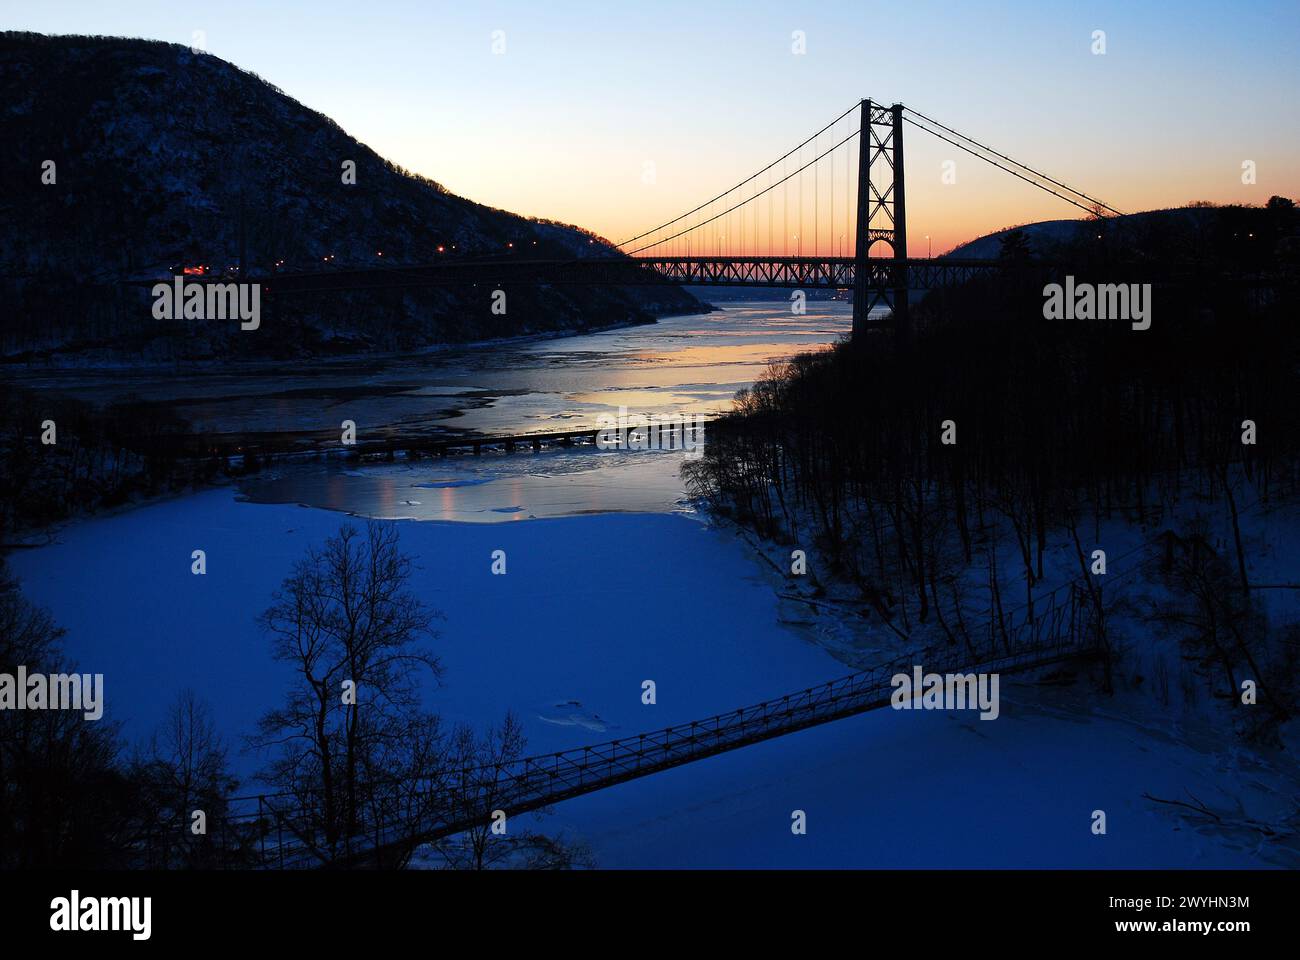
{"type": "Point", "coordinates": [882, 201]}
{"type": "Point", "coordinates": [861, 297]}
{"type": "Point", "coordinates": [902, 322]}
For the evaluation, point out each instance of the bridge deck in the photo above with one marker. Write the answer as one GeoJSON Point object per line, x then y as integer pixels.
{"type": "Point", "coordinates": [766, 271]}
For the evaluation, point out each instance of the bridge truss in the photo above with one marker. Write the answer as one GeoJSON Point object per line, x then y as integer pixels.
{"type": "Point", "coordinates": [835, 273]}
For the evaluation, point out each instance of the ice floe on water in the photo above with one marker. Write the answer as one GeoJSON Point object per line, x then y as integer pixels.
{"type": "Point", "coordinates": [571, 713]}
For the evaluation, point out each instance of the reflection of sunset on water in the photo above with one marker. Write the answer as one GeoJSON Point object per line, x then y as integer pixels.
{"type": "Point", "coordinates": [487, 489]}
{"type": "Point", "coordinates": [725, 354]}
{"type": "Point", "coordinates": [692, 363]}
{"type": "Point", "coordinates": [678, 366]}
{"type": "Point", "coordinates": [336, 492]}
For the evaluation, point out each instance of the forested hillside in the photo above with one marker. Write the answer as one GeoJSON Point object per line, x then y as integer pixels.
{"type": "Point", "coordinates": [126, 158]}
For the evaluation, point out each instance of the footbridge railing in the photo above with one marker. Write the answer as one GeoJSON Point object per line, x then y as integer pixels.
{"type": "Point", "coordinates": [403, 815]}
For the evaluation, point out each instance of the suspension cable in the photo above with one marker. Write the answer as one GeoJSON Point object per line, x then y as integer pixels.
{"type": "Point", "coordinates": [742, 182]}
{"type": "Point", "coordinates": [1023, 166]}
{"type": "Point", "coordinates": [1014, 173]}
{"type": "Point", "coordinates": [739, 205]}
{"type": "Point", "coordinates": [1097, 204]}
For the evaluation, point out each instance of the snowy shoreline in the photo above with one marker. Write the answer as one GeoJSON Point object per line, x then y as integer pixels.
{"type": "Point", "coordinates": [688, 605]}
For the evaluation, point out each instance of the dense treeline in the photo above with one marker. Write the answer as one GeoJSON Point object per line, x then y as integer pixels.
{"type": "Point", "coordinates": [72, 795]}
{"type": "Point", "coordinates": [1054, 426]}
{"type": "Point", "coordinates": [61, 457]}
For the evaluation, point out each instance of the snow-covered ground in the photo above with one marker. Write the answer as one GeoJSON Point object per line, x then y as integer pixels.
{"type": "Point", "coordinates": [593, 605]}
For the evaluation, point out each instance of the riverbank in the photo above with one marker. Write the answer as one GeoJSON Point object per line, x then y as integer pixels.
{"type": "Point", "coordinates": [234, 367]}
{"type": "Point", "coordinates": [590, 608]}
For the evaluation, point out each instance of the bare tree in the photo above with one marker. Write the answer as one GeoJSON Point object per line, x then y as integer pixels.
{"type": "Point", "coordinates": [1226, 627]}
{"type": "Point", "coordinates": [184, 772]}
{"type": "Point", "coordinates": [352, 729]}
{"type": "Point", "coordinates": [479, 771]}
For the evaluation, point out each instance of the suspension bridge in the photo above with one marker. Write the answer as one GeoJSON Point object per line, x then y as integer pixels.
{"type": "Point", "coordinates": [812, 219]}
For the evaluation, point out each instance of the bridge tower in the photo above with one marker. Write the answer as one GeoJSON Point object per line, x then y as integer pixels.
{"type": "Point", "coordinates": [882, 215]}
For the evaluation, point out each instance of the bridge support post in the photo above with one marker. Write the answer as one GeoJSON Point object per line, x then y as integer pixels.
{"type": "Point", "coordinates": [902, 323]}
{"type": "Point", "coordinates": [861, 240]}
{"type": "Point", "coordinates": [882, 215]}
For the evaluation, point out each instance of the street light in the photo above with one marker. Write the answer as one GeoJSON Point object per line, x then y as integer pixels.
{"type": "Point", "coordinates": [928, 247]}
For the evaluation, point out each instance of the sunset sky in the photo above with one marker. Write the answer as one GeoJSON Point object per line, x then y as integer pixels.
{"type": "Point", "coordinates": [562, 123]}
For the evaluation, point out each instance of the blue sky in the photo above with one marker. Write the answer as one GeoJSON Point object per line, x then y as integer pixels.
{"type": "Point", "coordinates": [561, 123]}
